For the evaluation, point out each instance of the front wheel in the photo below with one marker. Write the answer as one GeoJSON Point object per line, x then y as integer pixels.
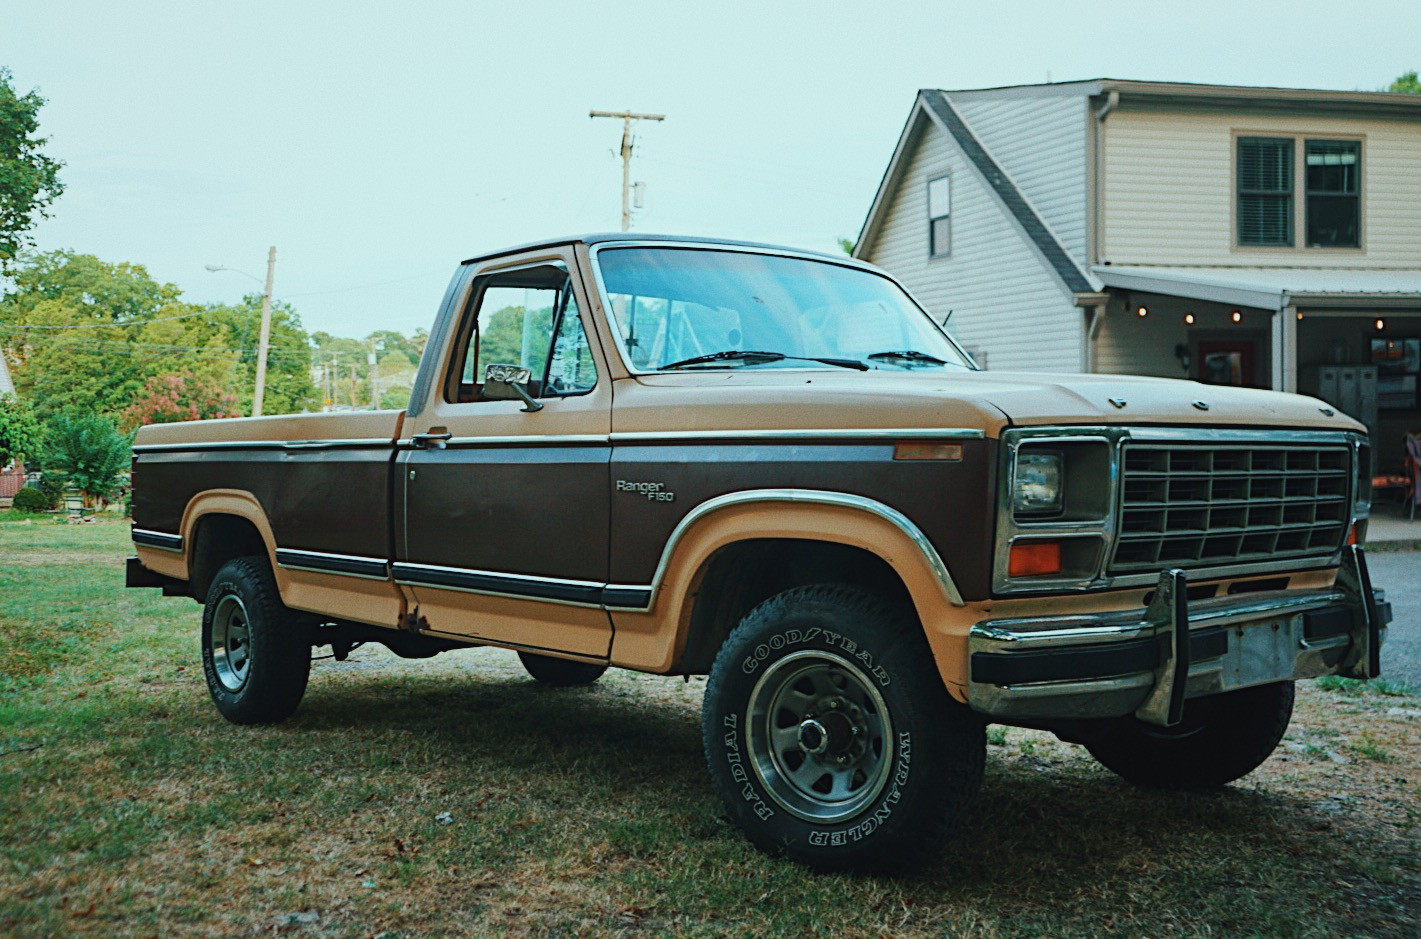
{"type": "Point", "coordinates": [830, 736]}
{"type": "Point", "coordinates": [255, 654]}
{"type": "Point", "coordinates": [1221, 738]}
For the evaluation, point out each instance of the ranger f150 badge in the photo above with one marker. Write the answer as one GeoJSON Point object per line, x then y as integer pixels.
{"type": "Point", "coordinates": [654, 492]}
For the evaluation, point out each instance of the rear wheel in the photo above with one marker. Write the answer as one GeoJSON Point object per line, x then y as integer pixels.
{"type": "Point", "coordinates": [561, 673]}
{"type": "Point", "coordinates": [1221, 738]}
{"type": "Point", "coordinates": [830, 736]}
{"type": "Point", "coordinates": [255, 653]}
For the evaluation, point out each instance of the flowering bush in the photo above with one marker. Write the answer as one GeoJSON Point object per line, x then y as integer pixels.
{"type": "Point", "coordinates": [167, 399]}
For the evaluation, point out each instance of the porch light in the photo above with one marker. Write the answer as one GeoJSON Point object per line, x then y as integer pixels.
{"type": "Point", "coordinates": [1236, 316]}
{"type": "Point", "coordinates": [1381, 324]}
{"type": "Point", "coordinates": [1142, 312]}
{"type": "Point", "coordinates": [1189, 319]}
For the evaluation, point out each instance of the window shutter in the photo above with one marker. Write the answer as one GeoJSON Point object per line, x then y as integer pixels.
{"type": "Point", "coordinates": [1265, 191]}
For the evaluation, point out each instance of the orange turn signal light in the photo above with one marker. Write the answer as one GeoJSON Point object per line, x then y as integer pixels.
{"type": "Point", "coordinates": [1032, 558]}
{"type": "Point", "coordinates": [1352, 535]}
{"type": "Point", "coordinates": [928, 450]}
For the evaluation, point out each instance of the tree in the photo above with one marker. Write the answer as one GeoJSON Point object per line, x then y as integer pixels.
{"type": "Point", "coordinates": [20, 434]}
{"type": "Point", "coordinates": [1408, 83]}
{"type": "Point", "coordinates": [29, 180]}
{"type": "Point", "coordinates": [89, 335]}
{"type": "Point", "coordinates": [97, 290]}
{"type": "Point", "coordinates": [90, 453]}
{"type": "Point", "coordinates": [67, 327]}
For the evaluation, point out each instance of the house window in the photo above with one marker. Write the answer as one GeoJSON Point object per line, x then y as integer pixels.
{"type": "Point", "coordinates": [940, 216]}
{"type": "Point", "coordinates": [1265, 191]}
{"type": "Point", "coordinates": [1322, 197]}
{"type": "Point", "coordinates": [1334, 198]}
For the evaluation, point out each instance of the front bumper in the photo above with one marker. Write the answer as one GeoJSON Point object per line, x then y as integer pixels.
{"type": "Point", "coordinates": [1148, 662]}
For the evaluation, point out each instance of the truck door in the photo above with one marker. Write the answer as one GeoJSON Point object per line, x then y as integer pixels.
{"type": "Point", "coordinates": [502, 506]}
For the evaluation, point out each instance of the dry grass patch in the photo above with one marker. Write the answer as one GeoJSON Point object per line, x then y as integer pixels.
{"type": "Point", "coordinates": [586, 812]}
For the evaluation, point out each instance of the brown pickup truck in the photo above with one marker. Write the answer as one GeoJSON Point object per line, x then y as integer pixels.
{"type": "Point", "coordinates": [694, 457]}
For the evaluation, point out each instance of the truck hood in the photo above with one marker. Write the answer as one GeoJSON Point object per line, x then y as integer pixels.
{"type": "Point", "coordinates": [761, 398]}
{"type": "Point", "coordinates": [1048, 399]}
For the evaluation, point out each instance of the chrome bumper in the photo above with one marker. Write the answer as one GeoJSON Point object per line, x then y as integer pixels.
{"type": "Point", "coordinates": [1148, 662]}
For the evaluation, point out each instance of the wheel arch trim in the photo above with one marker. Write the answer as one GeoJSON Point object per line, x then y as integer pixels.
{"type": "Point", "coordinates": [235, 503]}
{"type": "Point", "coordinates": [653, 638]}
{"type": "Point", "coordinates": [807, 497]}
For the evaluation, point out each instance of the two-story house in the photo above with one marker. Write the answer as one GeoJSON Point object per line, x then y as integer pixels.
{"type": "Point", "coordinates": [1254, 236]}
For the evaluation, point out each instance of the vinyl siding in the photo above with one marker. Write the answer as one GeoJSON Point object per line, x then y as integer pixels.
{"type": "Point", "coordinates": [1004, 298]}
{"type": "Point", "coordinates": [1168, 189]}
{"type": "Point", "coordinates": [1041, 143]}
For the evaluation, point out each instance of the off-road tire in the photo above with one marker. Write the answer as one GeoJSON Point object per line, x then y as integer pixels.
{"type": "Point", "coordinates": [830, 736]}
{"type": "Point", "coordinates": [1221, 738]}
{"type": "Point", "coordinates": [256, 654]}
{"type": "Point", "coordinates": [560, 673]}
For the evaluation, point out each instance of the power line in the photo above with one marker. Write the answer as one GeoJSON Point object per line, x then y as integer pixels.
{"type": "Point", "coordinates": [165, 347]}
{"type": "Point", "coordinates": [311, 354]}
{"type": "Point", "coordinates": [124, 325]}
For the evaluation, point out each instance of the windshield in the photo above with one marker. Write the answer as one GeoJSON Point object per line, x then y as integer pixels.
{"type": "Point", "coordinates": [696, 308]}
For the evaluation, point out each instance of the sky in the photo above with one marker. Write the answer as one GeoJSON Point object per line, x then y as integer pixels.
{"type": "Point", "coordinates": [378, 144]}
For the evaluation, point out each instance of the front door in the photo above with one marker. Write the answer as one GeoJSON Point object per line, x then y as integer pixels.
{"type": "Point", "coordinates": [504, 530]}
{"type": "Point", "coordinates": [1227, 362]}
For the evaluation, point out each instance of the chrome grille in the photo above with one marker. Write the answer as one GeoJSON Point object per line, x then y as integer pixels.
{"type": "Point", "coordinates": [1205, 506]}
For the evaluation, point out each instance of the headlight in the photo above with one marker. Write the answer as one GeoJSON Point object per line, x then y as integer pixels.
{"type": "Point", "coordinates": [1036, 490]}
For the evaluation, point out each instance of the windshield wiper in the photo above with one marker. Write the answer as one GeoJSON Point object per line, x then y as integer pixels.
{"type": "Point", "coordinates": [909, 355]}
{"type": "Point", "coordinates": [751, 355]}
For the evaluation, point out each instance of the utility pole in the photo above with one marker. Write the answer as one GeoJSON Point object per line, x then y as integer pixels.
{"type": "Point", "coordinates": [374, 361]}
{"type": "Point", "coordinates": [627, 118]}
{"type": "Point", "coordinates": [260, 391]}
{"type": "Point", "coordinates": [265, 335]}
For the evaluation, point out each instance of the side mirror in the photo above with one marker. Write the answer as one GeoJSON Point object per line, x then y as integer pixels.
{"type": "Point", "coordinates": [510, 383]}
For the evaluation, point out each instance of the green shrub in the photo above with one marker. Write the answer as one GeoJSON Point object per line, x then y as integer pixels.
{"type": "Point", "coordinates": [90, 453]}
{"type": "Point", "coordinates": [30, 500]}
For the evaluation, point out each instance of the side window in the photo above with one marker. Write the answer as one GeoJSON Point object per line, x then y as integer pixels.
{"type": "Point", "coordinates": [525, 317]}
{"type": "Point", "coordinates": [515, 327]}
{"type": "Point", "coordinates": [940, 216]}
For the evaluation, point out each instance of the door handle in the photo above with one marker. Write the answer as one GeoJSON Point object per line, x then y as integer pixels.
{"type": "Point", "coordinates": [423, 441]}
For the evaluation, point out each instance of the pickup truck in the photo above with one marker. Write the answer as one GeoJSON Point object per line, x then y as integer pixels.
{"type": "Point", "coordinates": [772, 467]}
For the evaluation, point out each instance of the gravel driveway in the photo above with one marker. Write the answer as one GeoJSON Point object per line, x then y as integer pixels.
{"type": "Point", "coordinates": [1399, 574]}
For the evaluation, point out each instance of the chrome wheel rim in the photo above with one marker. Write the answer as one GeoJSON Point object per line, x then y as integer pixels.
{"type": "Point", "coordinates": [820, 736]}
{"type": "Point", "coordinates": [230, 644]}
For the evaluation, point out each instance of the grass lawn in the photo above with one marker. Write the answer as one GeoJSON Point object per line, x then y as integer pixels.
{"type": "Point", "coordinates": [128, 807]}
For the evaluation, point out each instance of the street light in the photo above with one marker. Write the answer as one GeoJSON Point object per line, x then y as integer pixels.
{"type": "Point", "coordinates": [266, 325]}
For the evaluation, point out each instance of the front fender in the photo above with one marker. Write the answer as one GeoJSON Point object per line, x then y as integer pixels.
{"type": "Point", "coordinates": [652, 639]}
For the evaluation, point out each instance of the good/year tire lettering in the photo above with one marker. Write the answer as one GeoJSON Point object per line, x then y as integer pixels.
{"type": "Point", "coordinates": [795, 637]}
